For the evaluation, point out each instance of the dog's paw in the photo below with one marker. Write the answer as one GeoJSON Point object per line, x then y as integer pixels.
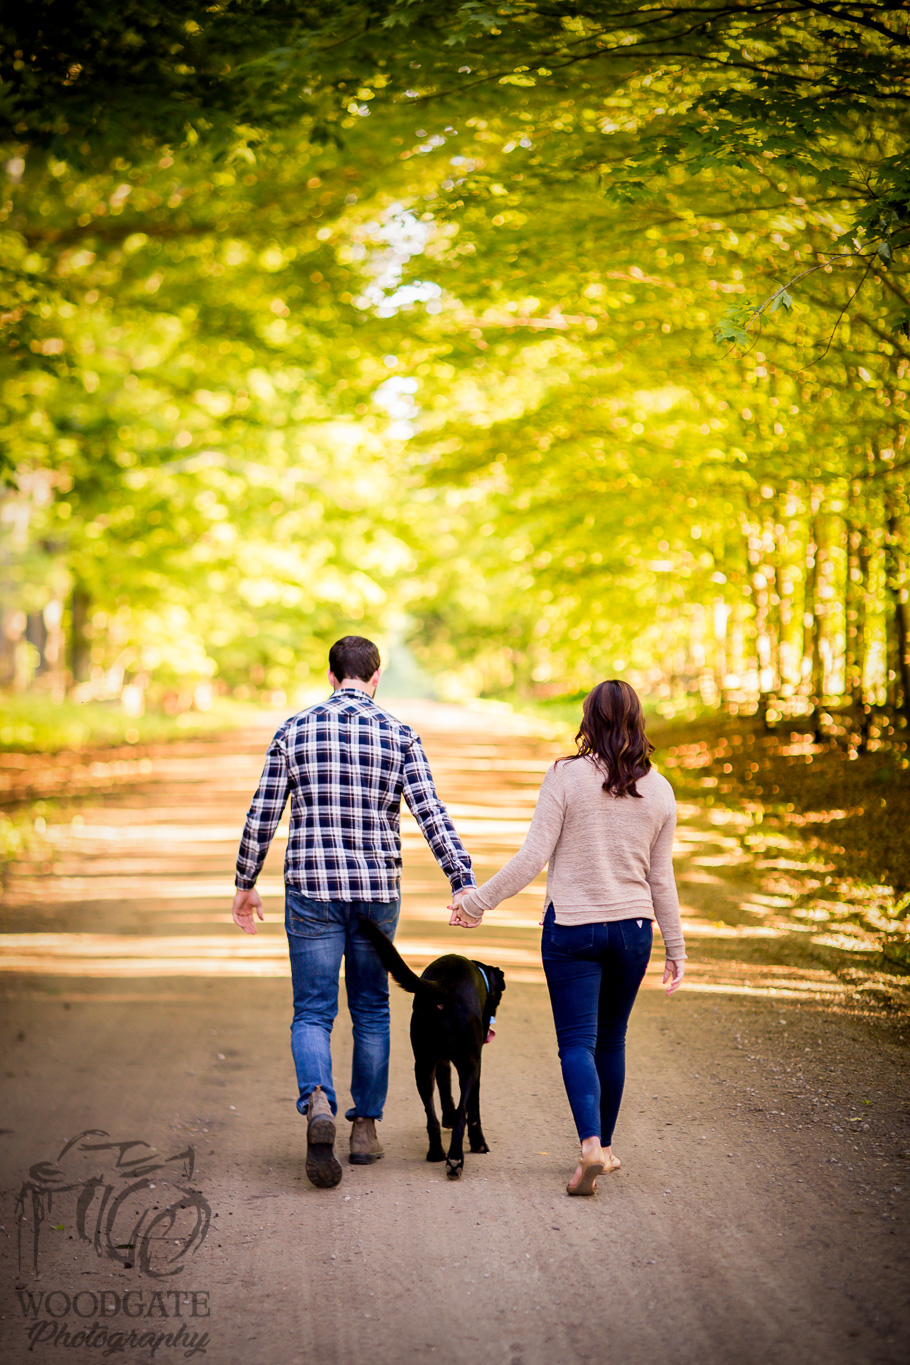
{"type": "Point", "coordinates": [434, 1155]}
{"type": "Point", "coordinates": [454, 1169]}
{"type": "Point", "coordinates": [448, 1118]}
{"type": "Point", "coordinates": [479, 1146]}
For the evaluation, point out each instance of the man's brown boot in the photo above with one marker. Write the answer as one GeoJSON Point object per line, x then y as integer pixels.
{"type": "Point", "coordinates": [322, 1166]}
{"type": "Point", "coordinates": [365, 1145]}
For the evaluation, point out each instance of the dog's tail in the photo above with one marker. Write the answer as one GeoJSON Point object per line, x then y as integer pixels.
{"type": "Point", "coordinates": [393, 962]}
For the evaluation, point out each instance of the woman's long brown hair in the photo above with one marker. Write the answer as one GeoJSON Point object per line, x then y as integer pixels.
{"type": "Point", "coordinates": [612, 732]}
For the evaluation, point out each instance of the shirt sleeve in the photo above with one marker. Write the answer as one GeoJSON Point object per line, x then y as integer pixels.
{"type": "Point", "coordinates": [433, 819]}
{"type": "Point", "coordinates": [263, 815]}
{"type": "Point", "coordinates": [532, 857]}
{"type": "Point", "coordinates": [663, 887]}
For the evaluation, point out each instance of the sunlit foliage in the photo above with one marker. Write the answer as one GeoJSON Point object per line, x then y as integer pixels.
{"type": "Point", "coordinates": [574, 335]}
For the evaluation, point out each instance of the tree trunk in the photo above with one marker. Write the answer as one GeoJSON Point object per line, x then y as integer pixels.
{"type": "Point", "coordinates": [857, 612]}
{"type": "Point", "coordinates": [79, 647]}
{"type": "Point", "coordinates": [782, 605]}
{"type": "Point", "coordinates": [856, 599]}
{"type": "Point", "coordinates": [12, 654]}
{"type": "Point", "coordinates": [776, 604]}
{"type": "Point", "coordinates": [856, 589]}
{"type": "Point", "coordinates": [720, 617]}
{"type": "Point", "coordinates": [898, 595]}
{"type": "Point", "coordinates": [813, 664]}
{"type": "Point", "coordinates": [55, 646]}
{"type": "Point", "coordinates": [760, 606]}
{"type": "Point", "coordinates": [864, 563]}
{"type": "Point", "coordinates": [36, 635]}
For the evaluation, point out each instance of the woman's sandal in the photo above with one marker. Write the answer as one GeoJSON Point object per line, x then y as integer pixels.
{"type": "Point", "coordinates": [590, 1170]}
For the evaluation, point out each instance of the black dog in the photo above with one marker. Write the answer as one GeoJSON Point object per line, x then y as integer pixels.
{"type": "Point", "coordinates": [454, 1003]}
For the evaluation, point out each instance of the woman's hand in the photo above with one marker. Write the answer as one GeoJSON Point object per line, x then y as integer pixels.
{"type": "Point", "coordinates": [460, 919]}
{"type": "Point", "coordinates": [674, 971]}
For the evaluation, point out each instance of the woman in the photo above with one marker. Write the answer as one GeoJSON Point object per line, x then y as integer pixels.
{"type": "Point", "coordinates": [604, 822]}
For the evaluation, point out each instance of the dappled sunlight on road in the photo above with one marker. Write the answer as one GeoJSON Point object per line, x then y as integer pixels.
{"type": "Point", "coordinates": [137, 883]}
{"type": "Point", "coordinates": [152, 886]}
{"type": "Point", "coordinates": [124, 955]}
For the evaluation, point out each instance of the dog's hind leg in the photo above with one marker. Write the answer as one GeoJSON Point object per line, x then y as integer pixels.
{"type": "Point", "coordinates": [444, 1081]}
{"type": "Point", "coordinates": [467, 1076]}
{"type": "Point", "coordinates": [425, 1075]}
{"type": "Point", "coordinates": [476, 1140]}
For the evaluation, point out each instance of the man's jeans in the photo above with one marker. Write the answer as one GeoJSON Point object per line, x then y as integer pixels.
{"type": "Point", "coordinates": [320, 933]}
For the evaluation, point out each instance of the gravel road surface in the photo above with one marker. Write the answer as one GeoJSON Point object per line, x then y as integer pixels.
{"type": "Point", "coordinates": [759, 1216]}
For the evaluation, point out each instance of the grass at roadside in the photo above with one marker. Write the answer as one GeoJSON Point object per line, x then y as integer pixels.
{"type": "Point", "coordinates": [35, 724]}
{"type": "Point", "coordinates": [855, 808]}
{"type": "Point", "coordinates": [828, 827]}
{"type": "Point", "coordinates": [36, 728]}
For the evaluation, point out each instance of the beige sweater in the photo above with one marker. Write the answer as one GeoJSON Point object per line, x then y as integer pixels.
{"type": "Point", "coordinates": [610, 857]}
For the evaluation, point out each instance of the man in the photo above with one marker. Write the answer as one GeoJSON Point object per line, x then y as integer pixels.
{"type": "Point", "coordinates": [345, 764]}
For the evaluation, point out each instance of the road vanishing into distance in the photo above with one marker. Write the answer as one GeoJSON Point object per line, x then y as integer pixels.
{"type": "Point", "coordinates": [759, 1217]}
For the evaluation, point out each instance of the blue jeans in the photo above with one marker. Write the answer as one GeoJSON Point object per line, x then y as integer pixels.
{"type": "Point", "coordinates": [320, 933]}
{"type": "Point", "coordinates": [593, 973]}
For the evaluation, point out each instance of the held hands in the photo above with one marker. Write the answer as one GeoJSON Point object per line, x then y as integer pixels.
{"type": "Point", "coordinates": [674, 971]}
{"type": "Point", "coordinates": [245, 903]}
{"type": "Point", "coordinates": [460, 919]}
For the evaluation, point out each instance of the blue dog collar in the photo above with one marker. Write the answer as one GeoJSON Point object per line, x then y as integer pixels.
{"type": "Point", "coordinates": [487, 984]}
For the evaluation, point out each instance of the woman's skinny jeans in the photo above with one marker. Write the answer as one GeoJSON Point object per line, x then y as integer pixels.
{"type": "Point", "coordinates": [593, 973]}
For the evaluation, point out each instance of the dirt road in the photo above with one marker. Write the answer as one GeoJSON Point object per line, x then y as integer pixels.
{"type": "Point", "coordinates": [760, 1215]}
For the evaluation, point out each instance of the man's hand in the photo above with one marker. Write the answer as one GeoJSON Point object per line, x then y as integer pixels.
{"type": "Point", "coordinates": [461, 919]}
{"type": "Point", "coordinates": [674, 971]}
{"type": "Point", "coordinates": [245, 903]}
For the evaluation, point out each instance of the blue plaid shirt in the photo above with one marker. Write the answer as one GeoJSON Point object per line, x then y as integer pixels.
{"type": "Point", "coordinates": [346, 764]}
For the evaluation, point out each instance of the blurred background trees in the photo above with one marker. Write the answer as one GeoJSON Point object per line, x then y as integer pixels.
{"type": "Point", "coordinates": [570, 340]}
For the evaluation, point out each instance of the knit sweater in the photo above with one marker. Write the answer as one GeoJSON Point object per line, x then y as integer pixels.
{"type": "Point", "coordinates": [610, 857]}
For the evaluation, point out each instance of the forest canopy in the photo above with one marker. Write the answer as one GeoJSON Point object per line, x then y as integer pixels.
{"type": "Point", "coordinates": [568, 339]}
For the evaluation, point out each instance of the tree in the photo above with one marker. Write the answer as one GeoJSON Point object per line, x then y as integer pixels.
{"type": "Point", "coordinates": [534, 218]}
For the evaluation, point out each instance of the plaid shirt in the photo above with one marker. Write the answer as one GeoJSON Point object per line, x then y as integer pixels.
{"type": "Point", "coordinates": [346, 764]}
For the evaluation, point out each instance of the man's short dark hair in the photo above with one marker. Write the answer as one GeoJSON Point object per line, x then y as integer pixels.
{"type": "Point", "coordinates": [354, 657]}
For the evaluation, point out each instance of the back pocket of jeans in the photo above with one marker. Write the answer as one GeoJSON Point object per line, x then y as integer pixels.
{"type": "Point", "coordinates": [637, 935]}
{"type": "Point", "coordinates": [305, 918]}
{"type": "Point", "coordinates": [572, 938]}
{"type": "Point", "coordinates": [385, 917]}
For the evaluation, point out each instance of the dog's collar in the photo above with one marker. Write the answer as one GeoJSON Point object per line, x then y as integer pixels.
{"type": "Point", "coordinates": [487, 984]}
